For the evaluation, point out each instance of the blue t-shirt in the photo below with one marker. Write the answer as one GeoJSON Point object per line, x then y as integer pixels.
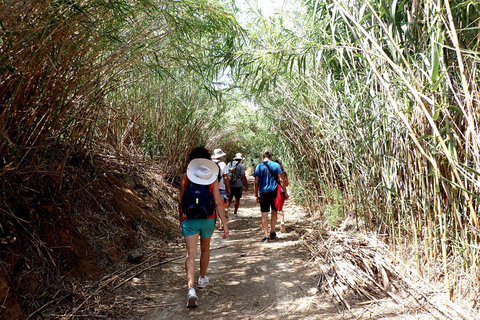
{"type": "Point", "coordinates": [266, 181]}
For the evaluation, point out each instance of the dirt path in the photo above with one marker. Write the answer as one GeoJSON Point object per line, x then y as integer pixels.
{"type": "Point", "coordinates": [253, 280]}
{"type": "Point", "coordinates": [249, 279]}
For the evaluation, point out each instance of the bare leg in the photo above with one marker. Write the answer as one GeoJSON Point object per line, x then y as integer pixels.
{"type": "Point", "coordinates": [191, 244]}
{"type": "Point", "coordinates": [282, 221]}
{"type": "Point", "coordinates": [205, 256]}
{"type": "Point", "coordinates": [281, 217]}
{"type": "Point", "coordinates": [237, 204]}
{"type": "Point", "coordinates": [265, 223]}
{"type": "Point", "coordinates": [274, 220]}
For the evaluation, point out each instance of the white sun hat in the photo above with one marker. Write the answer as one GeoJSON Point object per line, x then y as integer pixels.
{"type": "Point", "coordinates": [218, 153]}
{"type": "Point", "coordinates": [202, 171]}
{"type": "Point", "coordinates": [238, 156]}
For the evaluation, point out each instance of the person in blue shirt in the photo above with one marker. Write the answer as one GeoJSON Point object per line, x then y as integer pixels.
{"type": "Point", "coordinates": [266, 192]}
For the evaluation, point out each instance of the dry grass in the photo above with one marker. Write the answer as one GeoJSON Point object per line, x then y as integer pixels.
{"type": "Point", "coordinates": [384, 109]}
{"type": "Point", "coordinates": [352, 264]}
{"type": "Point", "coordinates": [106, 206]}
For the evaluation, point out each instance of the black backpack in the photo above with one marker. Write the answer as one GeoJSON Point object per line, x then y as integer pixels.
{"type": "Point", "coordinates": [197, 201]}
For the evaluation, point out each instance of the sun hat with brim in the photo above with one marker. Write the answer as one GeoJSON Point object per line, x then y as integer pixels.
{"type": "Point", "coordinates": [238, 156]}
{"type": "Point", "coordinates": [202, 171]}
{"type": "Point", "coordinates": [218, 153]}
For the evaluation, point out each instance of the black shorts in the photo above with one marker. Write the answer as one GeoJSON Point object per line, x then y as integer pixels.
{"type": "Point", "coordinates": [235, 191]}
{"type": "Point", "coordinates": [267, 201]}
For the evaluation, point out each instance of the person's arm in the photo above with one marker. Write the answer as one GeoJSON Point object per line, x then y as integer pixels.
{"type": "Point", "coordinates": [245, 182]}
{"type": "Point", "coordinates": [220, 210]}
{"type": "Point", "coordinates": [244, 177]}
{"type": "Point", "coordinates": [255, 188]}
{"type": "Point", "coordinates": [227, 184]}
{"type": "Point", "coordinates": [182, 189]}
{"type": "Point", "coordinates": [284, 187]}
{"type": "Point", "coordinates": [285, 178]}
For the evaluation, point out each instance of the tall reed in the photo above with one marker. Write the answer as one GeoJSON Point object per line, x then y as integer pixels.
{"type": "Point", "coordinates": [123, 75]}
{"type": "Point", "coordinates": [380, 101]}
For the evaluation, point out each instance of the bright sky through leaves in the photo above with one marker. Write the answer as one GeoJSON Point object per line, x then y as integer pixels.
{"type": "Point", "coordinates": [267, 7]}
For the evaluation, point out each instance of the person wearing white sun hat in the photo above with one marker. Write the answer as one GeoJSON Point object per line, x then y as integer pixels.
{"type": "Point", "coordinates": [201, 171]}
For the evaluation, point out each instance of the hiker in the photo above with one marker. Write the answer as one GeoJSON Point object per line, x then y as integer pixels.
{"type": "Point", "coordinates": [281, 215]}
{"type": "Point", "coordinates": [201, 172]}
{"type": "Point", "coordinates": [266, 174]}
{"type": "Point", "coordinates": [236, 175]}
{"type": "Point", "coordinates": [223, 183]}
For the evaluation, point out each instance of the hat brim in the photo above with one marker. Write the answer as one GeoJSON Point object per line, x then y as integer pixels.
{"type": "Point", "coordinates": [193, 165]}
{"type": "Point", "coordinates": [216, 156]}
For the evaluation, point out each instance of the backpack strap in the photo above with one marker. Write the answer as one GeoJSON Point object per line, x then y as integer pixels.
{"type": "Point", "coordinates": [276, 179]}
{"type": "Point", "coordinates": [219, 170]}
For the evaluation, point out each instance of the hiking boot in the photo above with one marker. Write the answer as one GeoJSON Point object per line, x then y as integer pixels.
{"type": "Point", "coordinates": [265, 240]}
{"type": "Point", "coordinates": [203, 282]}
{"type": "Point", "coordinates": [235, 216]}
{"type": "Point", "coordinates": [273, 235]}
{"type": "Point", "coordinates": [191, 298]}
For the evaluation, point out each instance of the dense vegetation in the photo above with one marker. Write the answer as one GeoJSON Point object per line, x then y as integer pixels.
{"type": "Point", "coordinates": [133, 75]}
{"type": "Point", "coordinates": [131, 81]}
{"type": "Point", "coordinates": [377, 107]}
{"type": "Point", "coordinates": [373, 106]}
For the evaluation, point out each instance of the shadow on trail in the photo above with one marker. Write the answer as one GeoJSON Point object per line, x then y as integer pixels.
{"type": "Point", "coordinates": [249, 279]}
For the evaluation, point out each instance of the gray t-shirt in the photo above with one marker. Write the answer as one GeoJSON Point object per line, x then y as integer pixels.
{"type": "Point", "coordinates": [240, 170]}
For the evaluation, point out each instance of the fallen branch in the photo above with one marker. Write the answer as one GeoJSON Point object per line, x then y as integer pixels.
{"type": "Point", "coordinates": [45, 305]}
{"type": "Point", "coordinates": [128, 270]}
{"type": "Point", "coordinates": [152, 266]}
{"type": "Point", "coordinates": [210, 290]}
{"type": "Point", "coordinates": [161, 305]}
{"type": "Point", "coordinates": [142, 271]}
{"type": "Point", "coordinates": [373, 301]}
{"type": "Point", "coordinates": [98, 316]}
{"type": "Point", "coordinates": [262, 311]}
{"type": "Point", "coordinates": [447, 302]}
{"type": "Point", "coordinates": [105, 284]}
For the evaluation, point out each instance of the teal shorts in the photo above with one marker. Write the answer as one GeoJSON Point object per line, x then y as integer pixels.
{"type": "Point", "coordinates": [204, 227]}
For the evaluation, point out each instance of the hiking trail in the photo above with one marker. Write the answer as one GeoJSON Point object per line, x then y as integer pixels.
{"type": "Point", "coordinates": [250, 279]}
